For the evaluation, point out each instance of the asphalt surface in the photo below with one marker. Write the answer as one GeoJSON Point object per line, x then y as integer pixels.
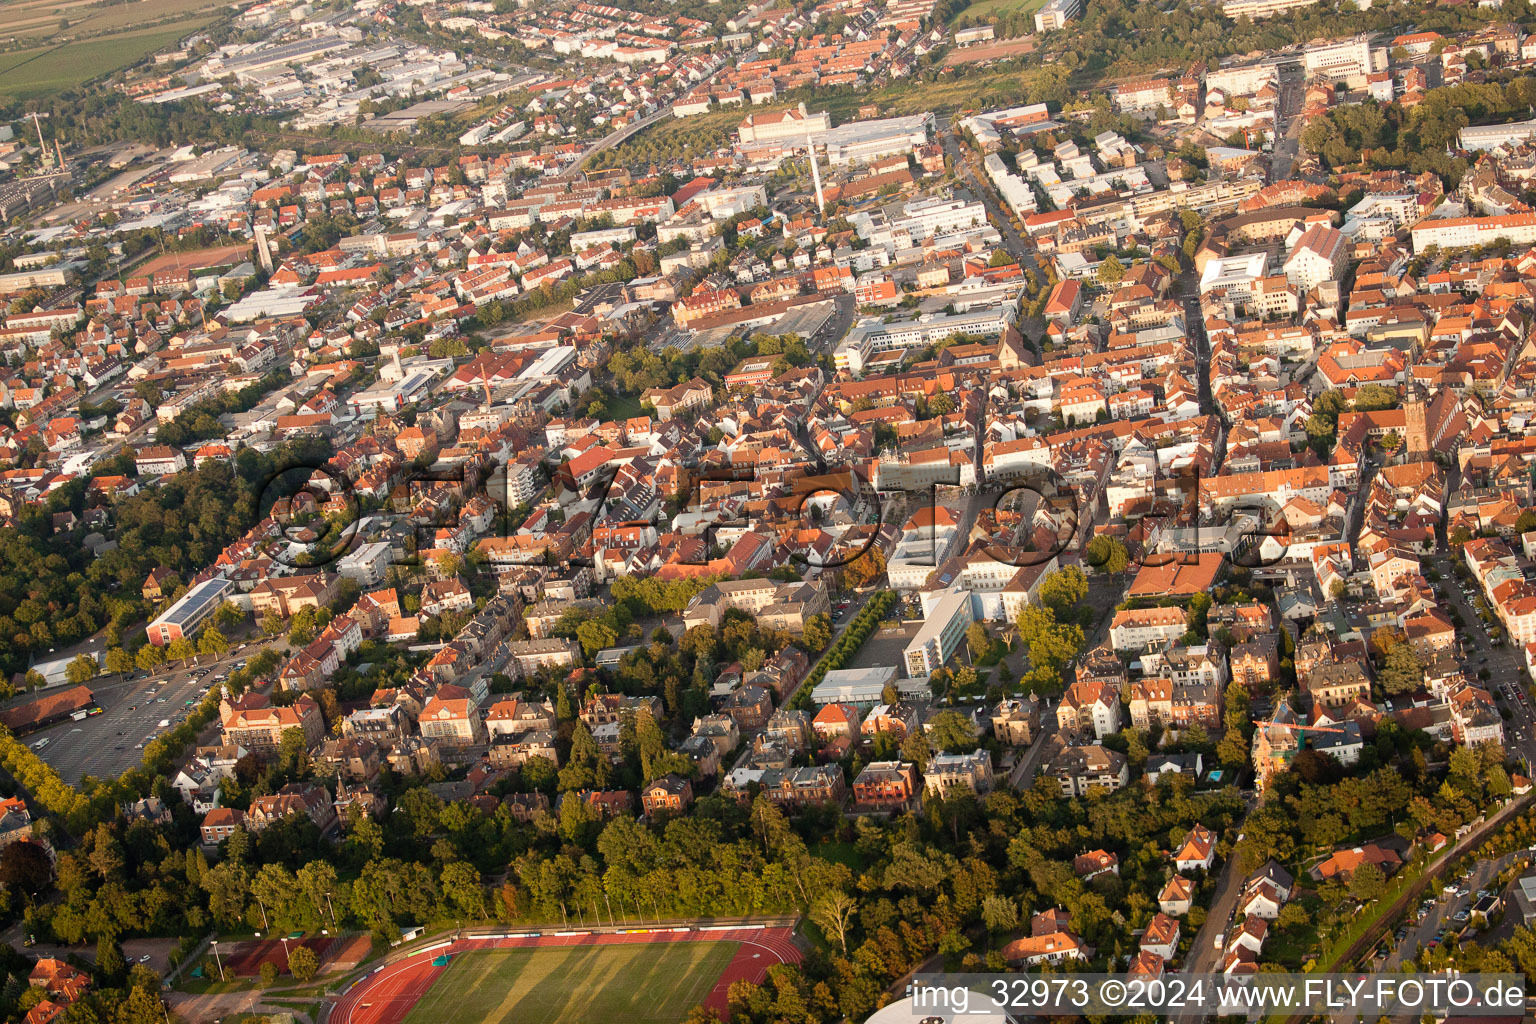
{"type": "Point", "coordinates": [1426, 925]}
{"type": "Point", "coordinates": [108, 744]}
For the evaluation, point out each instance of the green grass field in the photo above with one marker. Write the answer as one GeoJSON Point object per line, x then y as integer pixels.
{"type": "Point", "coordinates": [635, 984]}
{"type": "Point", "coordinates": [983, 11]}
{"type": "Point", "coordinates": [48, 69]}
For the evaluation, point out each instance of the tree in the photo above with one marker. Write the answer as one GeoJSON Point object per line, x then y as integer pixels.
{"type": "Point", "coordinates": [1064, 589]}
{"type": "Point", "coordinates": [977, 638]}
{"type": "Point", "coordinates": [303, 964]}
{"type": "Point", "coordinates": [179, 649]}
{"type": "Point", "coordinates": [149, 657]}
{"type": "Point", "coordinates": [1293, 915]}
{"type": "Point", "coordinates": [1232, 751]}
{"type": "Point", "coordinates": [302, 628]}
{"type": "Point", "coordinates": [914, 748]}
{"type": "Point", "coordinates": [1111, 271]}
{"type": "Point", "coordinates": [999, 913]}
{"type": "Point", "coordinates": [1051, 645]}
{"type": "Point", "coordinates": [1367, 882]}
{"type": "Point", "coordinates": [1401, 671]}
{"type": "Point", "coordinates": [104, 854]}
{"type": "Point", "coordinates": [25, 867]}
{"type": "Point", "coordinates": [833, 914]}
{"type": "Point", "coordinates": [1107, 554]}
{"type": "Point", "coordinates": [228, 616]}
{"type": "Point", "coordinates": [110, 965]}
{"type": "Point", "coordinates": [142, 1006]}
{"type": "Point", "coordinates": [212, 642]}
{"type": "Point", "coordinates": [817, 633]}
{"type": "Point", "coordinates": [119, 661]}
{"type": "Point", "coordinates": [82, 669]}
{"type": "Point", "coordinates": [865, 569]}
{"type": "Point", "coordinates": [268, 972]}
{"type": "Point", "coordinates": [951, 732]}
{"type": "Point", "coordinates": [595, 635]}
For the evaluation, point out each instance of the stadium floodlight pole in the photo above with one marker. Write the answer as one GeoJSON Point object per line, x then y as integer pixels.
{"type": "Point", "coordinates": [656, 907]}
{"type": "Point", "coordinates": [331, 909]}
{"type": "Point", "coordinates": [264, 922]}
{"type": "Point", "coordinates": [218, 959]}
{"type": "Point", "coordinates": [609, 904]}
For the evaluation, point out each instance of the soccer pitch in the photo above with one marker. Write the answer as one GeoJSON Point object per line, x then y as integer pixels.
{"type": "Point", "coordinates": [649, 983]}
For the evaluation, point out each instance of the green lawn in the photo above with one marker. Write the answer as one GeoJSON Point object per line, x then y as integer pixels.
{"type": "Point", "coordinates": [983, 11]}
{"type": "Point", "coordinates": [635, 984]}
{"type": "Point", "coordinates": [49, 69]}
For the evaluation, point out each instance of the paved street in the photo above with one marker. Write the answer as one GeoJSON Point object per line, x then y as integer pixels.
{"type": "Point", "coordinates": [1203, 957]}
{"type": "Point", "coordinates": [1502, 662]}
{"type": "Point", "coordinates": [1289, 143]}
{"type": "Point", "coordinates": [830, 333]}
{"type": "Point", "coordinates": [960, 158]}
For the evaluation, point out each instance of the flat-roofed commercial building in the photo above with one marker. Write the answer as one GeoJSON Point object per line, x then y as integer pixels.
{"type": "Point", "coordinates": [940, 635]}
{"type": "Point", "coordinates": [188, 614]}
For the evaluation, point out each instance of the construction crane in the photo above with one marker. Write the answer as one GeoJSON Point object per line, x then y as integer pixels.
{"type": "Point", "coordinates": [1271, 723]}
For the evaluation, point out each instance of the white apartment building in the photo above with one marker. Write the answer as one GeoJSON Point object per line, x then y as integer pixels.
{"type": "Point", "coordinates": [1242, 79]}
{"type": "Point", "coordinates": [920, 219]}
{"type": "Point", "coordinates": [941, 634]}
{"type": "Point", "coordinates": [871, 336]}
{"type": "Point", "coordinates": [1056, 13]}
{"type": "Point", "coordinates": [1233, 277]}
{"type": "Point", "coordinates": [1462, 232]}
{"type": "Point", "coordinates": [1320, 255]}
{"type": "Point", "coordinates": [1256, 9]}
{"type": "Point", "coordinates": [1138, 629]}
{"type": "Point", "coordinates": [1339, 60]}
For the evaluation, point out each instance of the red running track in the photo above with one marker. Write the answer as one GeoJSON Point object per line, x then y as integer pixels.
{"type": "Point", "coordinates": [387, 995]}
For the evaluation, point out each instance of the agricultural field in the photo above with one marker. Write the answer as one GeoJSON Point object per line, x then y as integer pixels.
{"type": "Point", "coordinates": [44, 20]}
{"type": "Point", "coordinates": [41, 70]}
{"type": "Point", "coordinates": [637, 983]}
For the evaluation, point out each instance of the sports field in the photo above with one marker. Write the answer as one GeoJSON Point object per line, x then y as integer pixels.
{"type": "Point", "coordinates": [638, 983]}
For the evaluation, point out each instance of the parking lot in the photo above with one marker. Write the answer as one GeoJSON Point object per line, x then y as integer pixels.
{"type": "Point", "coordinates": [1485, 650]}
{"type": "Point", "coordinates": [108, 744]}
{"type": "Point", "coordinates": [1438, 916]}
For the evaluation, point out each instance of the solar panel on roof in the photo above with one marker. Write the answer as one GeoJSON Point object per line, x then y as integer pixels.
{"type": "Point", "coordinates": [196, 599]}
